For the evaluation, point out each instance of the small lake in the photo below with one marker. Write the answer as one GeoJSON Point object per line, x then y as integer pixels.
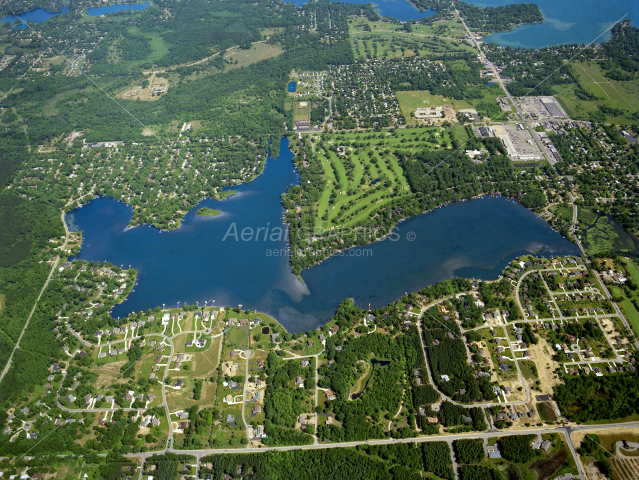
{"type": "Point", "coordinates": [565, 21]}
{"type": "Point", "coordinates": [37, 15]}
{"type": "Point", "coordinates": [206, 258]}
{"type": "Point", "coordinates": [96, 12]}
{"type": "Point", "coordinates": [400, 9]}
{"type": "Point", "coordinates": [292, 87]}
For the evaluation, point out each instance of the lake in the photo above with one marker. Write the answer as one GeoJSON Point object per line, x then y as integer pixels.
{"type": "Point", "coordinates": [400, 9]}
{"type": "Point", "coordinates": [96, 12]}
{"type": "Point", "coordinates": [292, 87]}
{"type": "Point", "coordinates": [206, 259]}
{"type": "Point", "coordinates": [37, 15]}
{"type": "Point", "coordinates": [565, 21]}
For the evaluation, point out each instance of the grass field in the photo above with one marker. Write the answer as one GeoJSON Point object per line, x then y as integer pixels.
{"type": "Point", "coordinates": [546, 413]}
{"type": "Point", "coordinates": [613, 94]}
{"type": "Point", "coordinates": [387, 40]}
{"type": "Point", "coordinates": [206, 362]}
{"type": "Point", "coordinates": [562, 212]}
{"type": "Point", "coordinates": [301, 111]}
{"type": "Point", "coordinates": [364, 178]}
{"type": "Point", "coordinates": [631, 312]}
{"type": "Point", "coordinates": [258, 51]}
{"type": "Point", "coordinates": [528, 369]}
{"type": "Point", "coordinates": [2, 300]}
{"type": "Point", "coordinates": [445, 29]}
{"type": "Point", "coordinates": [410, 100]}
{"type": "Point", "coordinates": [628, 308]}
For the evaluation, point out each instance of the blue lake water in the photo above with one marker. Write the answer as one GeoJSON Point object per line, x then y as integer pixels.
{"type": "Point", "coordinates": [96, 12]}
{"type": "Point", "coordinates": [194, 263]}
{"type": "Point", "coordinates": [37, 15]}
{"type": "Point", "coordinates": [565, 21]}
{"type": "Point", "coordinates": [400, 9]}
{"type": "Point", "coordinates": [292, 87]}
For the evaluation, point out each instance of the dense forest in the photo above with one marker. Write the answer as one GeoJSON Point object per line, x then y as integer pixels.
{"type": "Point", "coordinates": [588, 398]}
{"type": "Point", "coordinates": [25, 227]}
{"type": "Point", "coordinates": [387, 462]}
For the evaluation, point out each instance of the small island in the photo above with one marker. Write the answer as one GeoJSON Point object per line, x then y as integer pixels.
{"type": "Point", "coordinates": [208, 212]}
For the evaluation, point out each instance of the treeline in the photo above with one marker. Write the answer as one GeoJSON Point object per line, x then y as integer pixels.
{"type": "Point", "coordinates": [437, 459]}
{"type": "Point", "coordinates": [518, 448]}
{"type": "Point", "coordinates": [449, 361]}
{"type": "Point", "coordinates": [469, 451]}
{"type": "Point", "coordinates": [450, 177]}
{"type": "Point", "coordinates": [499, 19]}
{"type": "Point", "coordinates": [621, 51]}
{"type": "Point", "coordinates": [380, 462]}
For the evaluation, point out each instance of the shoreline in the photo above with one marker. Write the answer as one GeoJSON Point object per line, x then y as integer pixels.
{"type": "Point", "coordinates": [463, 200]}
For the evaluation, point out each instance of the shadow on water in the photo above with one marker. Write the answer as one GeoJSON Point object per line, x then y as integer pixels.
{"type": "Point", "coordinates": [209, 259]}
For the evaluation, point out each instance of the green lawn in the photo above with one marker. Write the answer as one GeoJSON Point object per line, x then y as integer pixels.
{"type": "Point", "coordinates": [562, 212]}
{"type": "Point", "coordinates": [628, 308]}
{"type": "Point", "coordinates": [527, 369]}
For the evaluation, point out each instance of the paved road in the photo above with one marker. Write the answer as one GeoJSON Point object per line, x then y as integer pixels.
{"type": "Point", "coordinates": [565, 430]}
{"type": "Point", "coordinates": [595, 272]}
{"type": "Point", "coordinates": [46, 284]}
{"type": "Point", "coordinates": [483, 405]}
{"type": "Point", "coordinates": [514, 101]}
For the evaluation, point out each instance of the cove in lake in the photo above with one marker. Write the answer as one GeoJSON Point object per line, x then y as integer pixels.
{"type": "Point", "coordinates": [400, 9]}
{"type": "Point", "coordinates": [96, 12]}
{"type": "Point", "coordinates": [37, 15]}
{"type": "Point", "coordinates": [197, 263]}
{"type": "Point", "coordinates": [565, 21]}
{"type": "Point", "coordinates": [606, 234]}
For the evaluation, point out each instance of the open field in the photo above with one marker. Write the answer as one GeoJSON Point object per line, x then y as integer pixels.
{"type": "Point", "coordinates": [382, 39]}
{"type": "Point", "coordinates": [410, 100]}
{"type": "Point", "coordinates": [206, 362]}
{"type": "Point", "coordinates": [258, 51]}
{"type": "Point", "coordinates": [301, 111]}
{"type": "Point", "coordinates": [622, 96]}
{"type": "Point", "coordinates": [628, 308]}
